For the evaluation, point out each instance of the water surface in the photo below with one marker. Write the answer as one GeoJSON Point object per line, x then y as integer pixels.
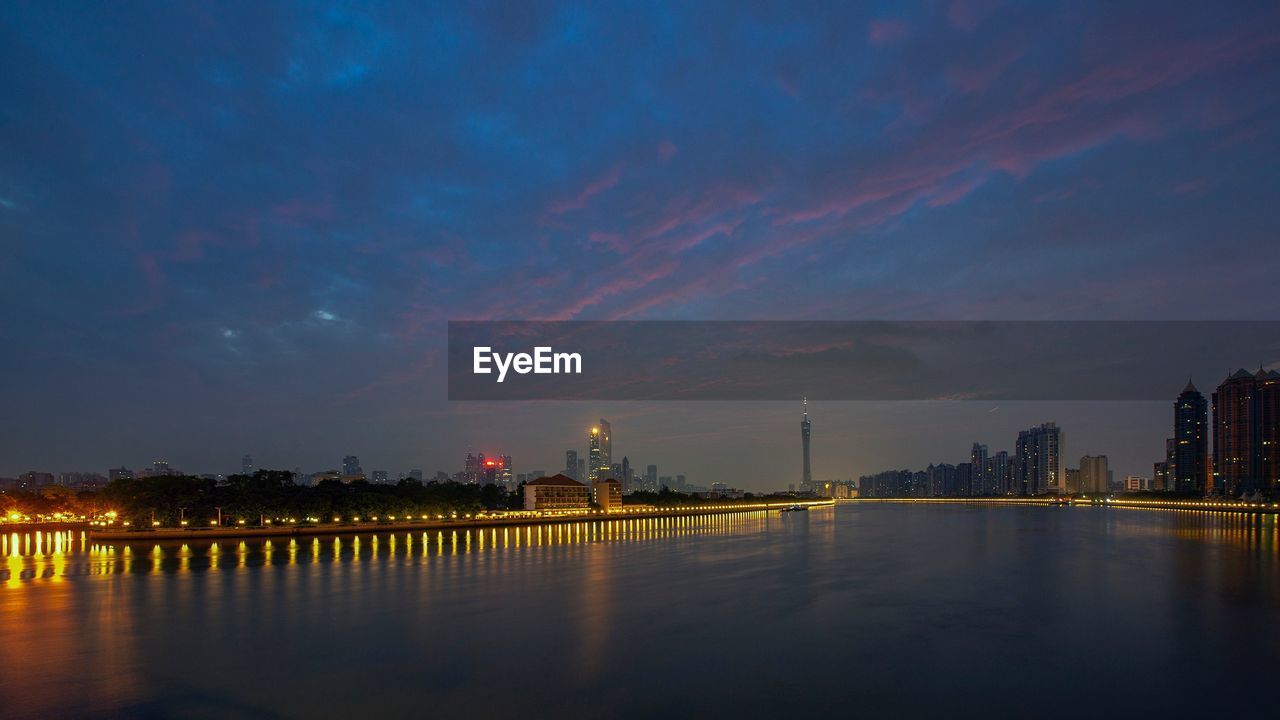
{"type": "Point", "coordinates": [869, 610]}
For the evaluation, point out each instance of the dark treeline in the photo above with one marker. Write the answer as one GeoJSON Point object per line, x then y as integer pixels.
{"type": "Point", "coordinates": [667, 497]}
{"type": "Point", "coordinates": [273, 495]}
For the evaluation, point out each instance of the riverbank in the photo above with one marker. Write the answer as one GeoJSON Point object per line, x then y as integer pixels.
{"type": "Point", "coordinates": [1219, 506]}
{"type": "Point", "coordinates": [484, 521]}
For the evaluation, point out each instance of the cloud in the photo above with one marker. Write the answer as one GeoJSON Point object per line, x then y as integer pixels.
{"type": "Point", "coordinates": [885, 32]}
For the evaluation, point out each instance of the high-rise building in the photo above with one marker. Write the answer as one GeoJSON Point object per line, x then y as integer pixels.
{"type": "Point", "coordinates": [1246, 433]}
{"type": "Point", "coordinates": [651, 477]}
{"type": "Point", "coordinates": [351, 466]}
{"type": "Point", "coordinates": [978, 459]}
{"type": "Point", "coordinates": [605, 442]}
{"type": "Point", "coordinates": [593, 453]}
{"type": "Point", "coordinates": [379, 477]}
{"type": "Point", "coordinates": [1160, 476]}
{"type": "Point", "coordinates": [571, 464]}
{"type": "Point", "coordinates": [582, 468]}
{"type": "Point", "coordinates": [120, 473]}
{"type": "Point", "coordinates": [246, 465]}
{"type": "Point", "coordinates": [964, 480]}
{"type": "Point", "coordinates": [806, 477]}
{"type": "Point", "coordinates": [1093, 474]}
{"type": "Point", "coordinates": [416, 474]}
{"type": "Point", "coordinates": [626, 475]}
{"type": "Point", "coordinates": [941, 481]}
{"type": "Point", "coordinates": [998, 470]}
{"type": "Point", "coordinates": [504, 476]}
{"type": "Point", "coordinates": [1073, 480]}
{"type": "Point", "coordinates": [1038, 460]}
{"type": "Point", "coordinates": [1190, 442]}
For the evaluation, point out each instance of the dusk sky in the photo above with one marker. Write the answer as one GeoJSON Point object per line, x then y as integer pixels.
{"type": "Point", "coordinates": [244, 232]}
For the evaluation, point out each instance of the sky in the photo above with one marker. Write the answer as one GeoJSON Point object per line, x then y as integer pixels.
{"type": "Point", "coordinates": [242, 228]}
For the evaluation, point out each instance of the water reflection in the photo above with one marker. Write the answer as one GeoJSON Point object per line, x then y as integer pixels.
{"type": "Point", "coordinates": [56, 556]}
{"type": "Point", "coordinates": [729, 614]}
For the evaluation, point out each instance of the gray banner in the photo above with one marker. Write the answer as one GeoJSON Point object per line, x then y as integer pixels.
{"type": "Point", "coordinates": [863, 360]}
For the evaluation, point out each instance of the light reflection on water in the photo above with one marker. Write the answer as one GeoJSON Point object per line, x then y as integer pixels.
{"type": "Point", "coordinates": [892, 609]}
{"type": "Point", "coordinates": [56, 556]}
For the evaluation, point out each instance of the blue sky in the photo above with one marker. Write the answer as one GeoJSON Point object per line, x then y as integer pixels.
{"type": "Point", "coordinates": [242, 228]}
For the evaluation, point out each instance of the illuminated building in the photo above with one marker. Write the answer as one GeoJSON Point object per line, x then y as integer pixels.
{"type": "Point", "coordinates": [1190, 464]}
{"type": "Point", "coordinates": [998, 478]}
{"type": "Point", "coordinates": [593, 454]}
{"type": "Point", "coordinates": [1246, 433]}
{"type": "Point", "coordinates": [1160, 476]}
{"type": "Point", "coordinates": [600, 451]}
{"type": "Point", "coordinates": [246, 465]}
{"type": "Point", "coordinates": [379, 477]}
{"type": "Point", "coordinates": [607, 494]}
{"type": "Point", "coordinates": [1038, 460]}
{"type": "Point", "coordinates": [806, 477]}
{"type": "Point", "coordinates": [978, 459]}
{"type": "Point", "coordinates": [1073, 480]}
{"type": "Point", "coordinates": [558, 492]}
{"type": "Point", "coordinates": [504, 473]}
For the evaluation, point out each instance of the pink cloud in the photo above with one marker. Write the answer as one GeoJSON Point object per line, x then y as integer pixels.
{"type": "Point", "coordinates": [605, 182]}
{"type": "Point", "coordinates": [967, 14]}
{"type": "Point", "coordinates": [667, 150]}
{"type": "Point", "coordinates": [882, 33]}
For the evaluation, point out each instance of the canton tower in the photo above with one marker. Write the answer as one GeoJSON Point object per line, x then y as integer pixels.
{"type": "Point", "coordinates": [807, 480]}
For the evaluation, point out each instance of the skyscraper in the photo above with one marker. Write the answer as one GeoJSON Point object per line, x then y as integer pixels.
{"type": "Point", "coordinates": [1093, 474]}
{"type": "Point", "coordinates": [246, 465]}
{"type": "Point", "coordinates": [1190, 468]}
{"type": "Point", "coordinates": [571, 464]}
{"type": "Point", "coordinates": [651, 477]}
{"type": "Point", "coordinates": [978, 459]}
{"type": "Point", "coordinates": [1246, 433]}
{"type": "Point", "coordinates": [606, 447]}
{"type": "Point", "coordinates": [505, 478]}
{"type": "Point", "coordinates": [998, 473]}
{"type": "Point", "coordinates": [1038, 460]}
{"type": "Point", "coordinates": [593, 454]}
{"type": "Point", "coordinates": [626, 474]}
{"type": "Point", "coordinates": [806, 479]}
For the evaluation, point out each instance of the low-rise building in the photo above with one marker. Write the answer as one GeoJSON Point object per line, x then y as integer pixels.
{"type": "Point", "coordinates": [607, 494]}
{"type": "Point", "coordinates": [558, 492]}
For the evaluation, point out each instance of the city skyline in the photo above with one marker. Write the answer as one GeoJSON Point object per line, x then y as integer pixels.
{"type": "Point", "coordinates": [1039, 461]}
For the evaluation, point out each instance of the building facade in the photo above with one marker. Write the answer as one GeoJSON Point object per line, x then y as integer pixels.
{"type": "Point", "coordinates": [607, 494]}
{"type": "Point", "coordinates": [558, 492]}
{"type": "Point", "coordinates": [1190, 466]}
{"type": "Point", "coordinates": [1246, 433]}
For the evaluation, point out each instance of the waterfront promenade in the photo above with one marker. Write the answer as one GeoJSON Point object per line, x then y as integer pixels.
{"type": "Point", "coordinates": [480, 520]}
